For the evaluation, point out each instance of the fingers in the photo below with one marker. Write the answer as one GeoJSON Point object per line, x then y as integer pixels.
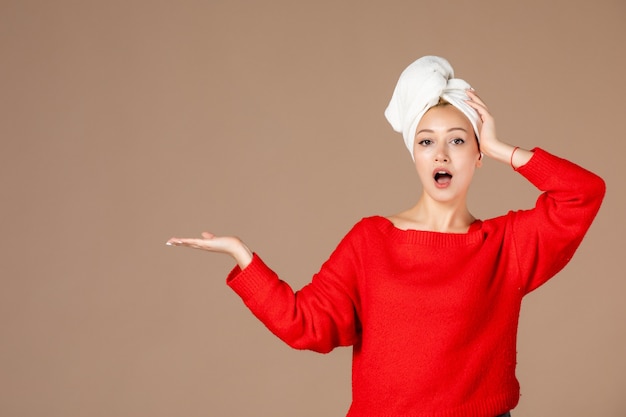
{"type": "Point", "coordinates": [230, 245]}
{"type": "Point", "coordinates": [196, 243]}
{"type": "Point", "coordinates": [189, 242]}
{"type": "Point", "coordinates": [208, 242]}
{"type": "Point", "coordinates": [471, 93]}
{"type": "Point", "coordinates": [477, 104]}
{"type": "Point", "coordinates": [476, 101]}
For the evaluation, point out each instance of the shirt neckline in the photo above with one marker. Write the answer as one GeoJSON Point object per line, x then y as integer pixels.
{"type": "Point", "coordinates": [414, 236]}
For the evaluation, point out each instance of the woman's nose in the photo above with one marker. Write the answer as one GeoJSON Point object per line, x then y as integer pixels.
{"type": "Point", "coordinates": [441, 156]}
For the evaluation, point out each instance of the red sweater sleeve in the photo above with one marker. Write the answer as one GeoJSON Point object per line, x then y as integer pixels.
{"type": "Point", "coordinates": [320, 316]}
{"type": "Point", "coordinates": [547, 236]}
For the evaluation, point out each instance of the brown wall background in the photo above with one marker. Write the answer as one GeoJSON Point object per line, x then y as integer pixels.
{"type": "Point", "coordinates": [126, 122]}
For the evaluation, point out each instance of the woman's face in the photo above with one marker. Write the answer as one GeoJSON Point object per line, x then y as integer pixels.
{"type": "Point", "coordinates": [446, 153]}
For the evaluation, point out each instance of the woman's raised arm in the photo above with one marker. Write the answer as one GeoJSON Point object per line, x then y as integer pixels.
{"type": "Point", "coordinates": [490, 145]}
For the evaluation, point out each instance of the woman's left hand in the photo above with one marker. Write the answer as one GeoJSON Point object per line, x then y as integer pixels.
{"type": "Point", "coordinates": [487, 127]}
{"type": "Point", "coordinates": [490, 145]}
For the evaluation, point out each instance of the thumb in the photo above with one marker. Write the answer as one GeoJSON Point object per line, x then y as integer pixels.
{"type": "Point", "coordinates": [208, 235]}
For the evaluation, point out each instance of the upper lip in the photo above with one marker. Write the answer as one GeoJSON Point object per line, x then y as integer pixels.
{"type": "Point", "coordinates": [440, 171]}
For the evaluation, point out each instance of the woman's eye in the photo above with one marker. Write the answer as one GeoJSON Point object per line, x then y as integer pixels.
{"type": "Point", "coordinates": [425, 142]}
{"type": "Point", "coordinates": [458, 141]}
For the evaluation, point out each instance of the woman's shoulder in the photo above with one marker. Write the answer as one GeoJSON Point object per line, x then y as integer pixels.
{"type": "Point", "coordinates": [370, 222]}
{"type": "Point", "coordinates": [368, 226]}
{"type": "Point", "coordinates": [500, 222]}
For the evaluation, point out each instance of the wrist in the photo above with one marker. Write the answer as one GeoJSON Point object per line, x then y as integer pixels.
{"type": "Point", "coordinates": [508, 154]}
{"type": "Point", "coordinates": [242, 255]}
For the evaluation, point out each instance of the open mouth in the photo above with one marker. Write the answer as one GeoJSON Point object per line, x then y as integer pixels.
{"type": "Point", "coordinates": [442, 177]}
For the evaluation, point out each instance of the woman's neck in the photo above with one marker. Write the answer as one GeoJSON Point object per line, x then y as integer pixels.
{"type": "Point", "coordinates": [430, 215]}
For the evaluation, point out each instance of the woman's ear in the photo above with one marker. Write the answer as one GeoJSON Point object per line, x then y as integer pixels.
{"type": "Point", "coordinates": [479, 161]}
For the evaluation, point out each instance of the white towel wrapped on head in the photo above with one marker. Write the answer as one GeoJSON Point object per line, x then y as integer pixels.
{"type": "Point", "coordinates": [419, 88]}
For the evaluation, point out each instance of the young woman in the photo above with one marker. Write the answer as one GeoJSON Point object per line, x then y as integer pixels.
{"type": "Point", "coordinates": [430, 298]}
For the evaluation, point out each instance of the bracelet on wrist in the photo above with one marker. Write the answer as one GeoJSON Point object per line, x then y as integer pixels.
{"type": "Point", "coordinates": [512, 154]}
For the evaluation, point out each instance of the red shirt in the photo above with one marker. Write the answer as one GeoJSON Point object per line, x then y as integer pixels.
{"type": "Point", "coordinates": [432, 317]}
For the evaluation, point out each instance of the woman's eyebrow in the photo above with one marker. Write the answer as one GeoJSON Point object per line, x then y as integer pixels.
{"type": "Point", "coordinates": [449, 130]}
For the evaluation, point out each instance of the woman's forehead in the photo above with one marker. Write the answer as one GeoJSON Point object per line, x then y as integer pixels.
{"type": "Point", "coordinates": [444, 117]}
